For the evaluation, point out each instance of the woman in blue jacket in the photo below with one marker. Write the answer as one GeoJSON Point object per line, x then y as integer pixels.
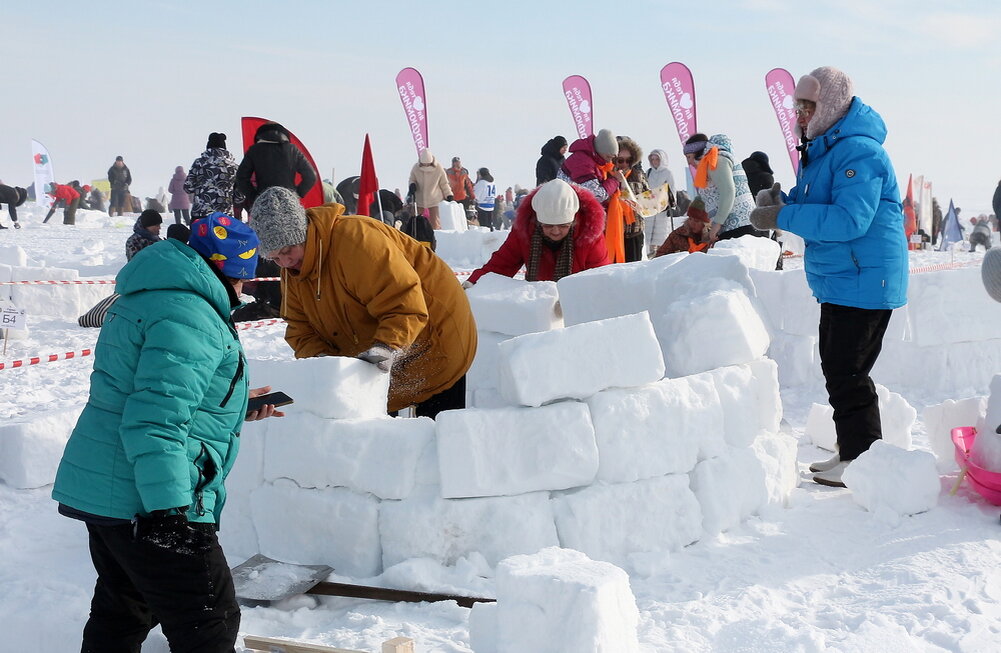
{"type": "Point", "coordinates": [846, 206]}
{"type": "Point", "coordinates": [145, 464]}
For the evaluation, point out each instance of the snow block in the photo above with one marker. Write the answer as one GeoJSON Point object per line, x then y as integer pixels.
{"type": "Point", "coordinates": [801, 312]}
{"type": "Point", "coordinates": [709, 331]}
{"type": "Point", "coordinates": [612, 290]}
{"type": "Point", "coordinates": [238, 537]}
{"type": "Point", "coordinates": [796, 357]}
{"type": "Point", "coordinates": [730, 488]}
{"type": "Point", "coordinates": [332, 526]}
{"type": "Point", "coordinates": [610, 522]}
{"type": "Point", "coordinates": [468, 249]}
{"type": "Point", "coordinates": [749, 395]}
{"type": "Point", "coordinates": [560, 600]}
{"type": "Point", "coordinates": [66, 302]}
{"type": "Point", "coordinates": [452, 216]}
{"type": "Point", "coordinates": [892, 482]}
{"type": "Point", "coordinates": [578, 361]}
{"type": "Point", "coordinates": [483, 373]}
{"type": "Point", "coordinates": [698, 275]}
{"type": "Point", "coordinates": [896, 415]}
{"type": "Point", "coordinates": [13, 256]}
{"type": "Point", "coordinates": [514, 307]}
{"type": "Point", "coordinates": [426, 526]}
{"type": "Point", "coordinates": [939, 420]}
{"type": "Point", "coordinates": [755, 252]}
{"type": "Point", "coordinates": [378, 455]}
{"type": "Point", "coordinates": [655, 429]}
{"type": "Point", "coordinates": [768, 287]}
{"type": "Point", "coordinates": [31, 447]}
{"type": "Point", "coordinates": [777, 455]}
{"type": "Point", "coordinates": [507, 451]}
{"type": "Point", "coordinates": [333, 387]}
{"type": "Point", "coordinates": [950, 306]}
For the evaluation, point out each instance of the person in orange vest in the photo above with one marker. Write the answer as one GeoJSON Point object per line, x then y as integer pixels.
{"type": "Point", "coordinates": [692, 235]}
{"type": "Point", "coordinates": [460, 183]}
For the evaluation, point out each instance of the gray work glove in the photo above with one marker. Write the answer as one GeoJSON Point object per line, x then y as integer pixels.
{"type": "Point", "coordinates": [379, 355]}
{"type": "Point", "coordinates": [769, 202]}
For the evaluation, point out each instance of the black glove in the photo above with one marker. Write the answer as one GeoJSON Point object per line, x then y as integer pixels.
{"type": "Point", "coordinates": [412, 190]}
{"type": "Point", "coordinates": [169, 530]}
{"type": "Point", "coordinates": [450, 198]}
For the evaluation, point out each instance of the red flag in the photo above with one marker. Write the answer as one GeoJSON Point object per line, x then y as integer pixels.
{"type": "Point", "coordinates": [368, 185]}
{"type": "Point", "coordinates": [910, 218]}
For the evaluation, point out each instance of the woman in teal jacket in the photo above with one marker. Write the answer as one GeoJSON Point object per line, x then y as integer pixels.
{"type": "Point", "coordinates": [145, 465]}
{"type": "Point", "coordinates": [846, 207]}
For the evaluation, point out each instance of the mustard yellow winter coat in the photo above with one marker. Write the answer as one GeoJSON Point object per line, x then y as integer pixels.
{"type": "Point", "coordinates": [363, 282]}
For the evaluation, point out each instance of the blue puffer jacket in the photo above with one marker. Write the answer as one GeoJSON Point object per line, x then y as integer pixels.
{"type": "Point", "coordinates": [846, 206]}
{"type": "Point", "coordinates": [168, 395]}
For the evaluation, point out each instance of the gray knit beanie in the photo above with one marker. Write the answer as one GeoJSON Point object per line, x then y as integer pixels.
{"type": "Point", "coordinates": [990, 272]}
{"type": "Point", "coordinates": [832, 91]}
{"type": "Point", "coordinates": [606, 144]}
{"type": "Point", "coordinates": [279, 219]}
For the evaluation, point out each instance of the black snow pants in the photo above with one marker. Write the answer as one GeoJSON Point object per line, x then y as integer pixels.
{"type": "Point", "coordinates": [850, 341]}
{"type": "Point", "coordinates": [140, 585]}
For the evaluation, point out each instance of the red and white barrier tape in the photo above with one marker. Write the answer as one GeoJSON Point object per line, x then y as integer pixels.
{"type": "Point", "coordinates": [88, 282]}
{"type": "Point", "coordinates": [35, 360]}
{"type": "Point", "coordinates": [944, 266]}
{"type": "Point", "coordinates": [242, 326]}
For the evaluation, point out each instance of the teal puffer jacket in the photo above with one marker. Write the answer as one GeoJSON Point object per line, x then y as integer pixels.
{"type": "Point", "coordinates": [846, 206]}
{"type": "Point", "coordinates": [168, 395]}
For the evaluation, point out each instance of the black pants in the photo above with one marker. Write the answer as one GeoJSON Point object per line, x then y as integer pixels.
{"type": "Point", "coordinates": [850, 341]}
{"type": "Point", "coordinates": [633, 247]}
{"type": "Point", "coordinates": [182, 215]}
{"type": "Point", "coordinates": [140, 585]}
{"type": "Point", "coordinates": [118, 201]}
{"type": "Point", "coordinates": [449, 399]}
{"type": "Point", "coordinates": [485, 218]}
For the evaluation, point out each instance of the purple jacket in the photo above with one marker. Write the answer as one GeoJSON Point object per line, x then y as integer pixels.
{"type": "Point", "coordinates": [582, 165]}
{"type": "Point", "coordinates": [178, 198]}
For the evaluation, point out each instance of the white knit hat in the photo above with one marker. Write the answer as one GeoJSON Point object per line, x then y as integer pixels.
{"type": "Point", "coordinates": [831, 90]}
{"type": "Point", "coordinates": [425, 156]}
{"type": "Point", "coordinates": [555, 202]}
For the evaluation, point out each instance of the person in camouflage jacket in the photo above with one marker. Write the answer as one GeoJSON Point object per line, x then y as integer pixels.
{"type": "Point", "coordinates": [211, 178]}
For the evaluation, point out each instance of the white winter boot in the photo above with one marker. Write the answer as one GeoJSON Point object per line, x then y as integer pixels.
{"type": "Point", "coordinates": [832, 477]}
{"type": "Point", "coordinates": [827, 464]}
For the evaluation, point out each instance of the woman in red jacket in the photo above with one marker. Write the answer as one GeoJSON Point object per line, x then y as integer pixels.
{"type": "Point", "coordinates": [559, 230]}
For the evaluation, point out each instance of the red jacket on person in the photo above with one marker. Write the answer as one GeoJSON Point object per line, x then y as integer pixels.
{"type": "Point", "coordinates": [588, 239]}
{"type": "Point", "coordinates": [65, 193]}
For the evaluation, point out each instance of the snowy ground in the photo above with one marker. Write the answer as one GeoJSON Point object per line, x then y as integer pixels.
{"type": "Point", "coordinates": [822, 575]}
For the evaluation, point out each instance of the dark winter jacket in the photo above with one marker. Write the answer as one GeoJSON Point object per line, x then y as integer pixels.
{"type": "Point", "coordinates": [846, 206]}
{"type": "Point", "coordinates": [168, 395]}
{"type": "Point", "coordinates": [210, 183]}
{"type": "Point", "coordinates": [178, 196]}
{"type": "Point", "coordinates": [273, 161]}
{"type": "Point", "coordinates": [548, 165]}
{"type": "Point", "coordinates": [13, 197]}
{"type": "Point", "coordinates": [581, 168]}
{"type": "Point", "coordinates": [120, 178]}
{"type": "Point", "coordinates": [758, 171]}
{"type": "Point", "coordinates": [588, 239]}
{"type": "Point", "coordinates": [140, 239]}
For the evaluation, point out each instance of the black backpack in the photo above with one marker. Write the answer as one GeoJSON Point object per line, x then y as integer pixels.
{"type": "Point", "coordinates": [419, 228]}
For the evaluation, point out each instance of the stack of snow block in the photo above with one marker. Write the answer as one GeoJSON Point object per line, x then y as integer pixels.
{"type": "Point", "coordinates": [504, 308]}
{"type": "Point", "coordinates": [557, 600]}
{"type": "Point", "coordinates": [31, 447]}
{"type": "Point", "coordinates": [896, 415]}
{"type": "Point", "coordinates": [755, 253]}
{"type": "Point", "coordinates": [64, 301]}
{"type": "Point", "coordinates": [334, 457]}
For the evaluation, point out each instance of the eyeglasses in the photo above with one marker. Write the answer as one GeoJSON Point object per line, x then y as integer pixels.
{"type": "Point", "coordinates": [621, 159]}
{"type": "Point", "coordinates": [804, 108]}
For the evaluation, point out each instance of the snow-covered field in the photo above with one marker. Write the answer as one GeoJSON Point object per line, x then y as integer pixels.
{"type": "Point", "coordinates": [822, 574]}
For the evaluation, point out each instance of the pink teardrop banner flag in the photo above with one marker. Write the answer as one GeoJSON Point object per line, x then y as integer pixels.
{"type": "Point", "coordinates": [410, 86]}
{"type": "Point", "coordinates": [577, 91]}
{"type": "Point", "coordinates": [780, 87]}
{"type": "Point", "coordinates": [679, 91]}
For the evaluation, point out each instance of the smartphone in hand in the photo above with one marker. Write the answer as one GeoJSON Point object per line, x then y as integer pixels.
{"type": "Point", "coordinates": [276, 398]}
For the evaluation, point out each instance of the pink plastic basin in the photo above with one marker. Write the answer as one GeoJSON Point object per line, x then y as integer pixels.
{"type": "Point", "coordinates": [986, 483]}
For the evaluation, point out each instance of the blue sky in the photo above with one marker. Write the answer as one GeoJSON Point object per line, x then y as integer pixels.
{"type": "Point", "coordinates": [150, 80]}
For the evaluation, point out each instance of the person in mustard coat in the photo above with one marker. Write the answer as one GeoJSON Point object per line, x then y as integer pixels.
{"type": "Point", "coordinates": [353, 286]}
